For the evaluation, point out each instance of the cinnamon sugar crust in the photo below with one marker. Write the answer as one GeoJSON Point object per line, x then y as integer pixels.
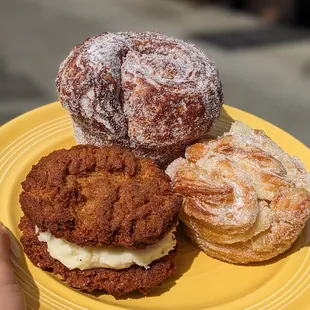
{"type": "Point", "coordinates": [145, 91]}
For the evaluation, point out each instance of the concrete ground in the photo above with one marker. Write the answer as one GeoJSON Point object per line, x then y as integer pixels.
{"type": "Point", "coordinates": [265, 70]}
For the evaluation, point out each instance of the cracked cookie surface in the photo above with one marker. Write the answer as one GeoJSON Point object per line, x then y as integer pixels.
{"type": "Point", "coordinates": [94, 196]}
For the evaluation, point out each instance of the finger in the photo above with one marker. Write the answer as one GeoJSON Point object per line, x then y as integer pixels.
{"type": "Point", "coordinates": [11, 296]}
{"type": "Point", "coordinates": [4, 244]}
{"type": "Point", "coordinates": [6, 272]}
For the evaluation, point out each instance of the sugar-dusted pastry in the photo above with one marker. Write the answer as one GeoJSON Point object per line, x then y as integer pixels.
{"type": "Point", "coordinates": [244, 199]}
{"type": "Point", "coordinates": [146, 91]}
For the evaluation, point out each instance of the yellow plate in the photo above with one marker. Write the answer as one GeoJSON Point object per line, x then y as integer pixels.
{"type": "Point", "coordinates": [200, 282]}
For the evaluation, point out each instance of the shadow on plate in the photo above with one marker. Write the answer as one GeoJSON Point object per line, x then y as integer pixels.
{"type": "Point", "coordinates": [222, 125]}
{"type": "Point", "coordinates": [23, 275]}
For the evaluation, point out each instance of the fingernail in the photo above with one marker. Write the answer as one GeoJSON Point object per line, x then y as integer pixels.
{"type": "Point", "coordinates": [2, 227]}
{"type": "Point", "coordinates": [4, 243]}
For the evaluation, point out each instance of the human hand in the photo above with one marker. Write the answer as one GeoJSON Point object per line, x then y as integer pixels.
{"type": "Point", "coordinates": [11, 296]}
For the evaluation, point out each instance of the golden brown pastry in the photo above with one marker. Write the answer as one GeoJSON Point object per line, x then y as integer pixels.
{"type": "Point", "coordinates": [244, 199]}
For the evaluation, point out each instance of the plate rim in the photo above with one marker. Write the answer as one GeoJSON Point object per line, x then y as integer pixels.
{"type": "Point", "coordinates": [13, 122]}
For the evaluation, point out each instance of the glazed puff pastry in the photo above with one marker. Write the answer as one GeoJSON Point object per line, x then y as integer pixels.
{"type": "Point", "coordinates": [244, 199]}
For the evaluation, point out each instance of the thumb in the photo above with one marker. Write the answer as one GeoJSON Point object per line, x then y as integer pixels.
{"type": "Point", "coordinates": [6, 271]}
{"type": "Point", "coordinates": [11, 296]}
{"type": "Point", "coordinates": [4, 244]}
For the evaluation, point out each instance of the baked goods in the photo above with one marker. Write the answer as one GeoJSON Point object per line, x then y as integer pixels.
{"type": "Point", "coordinates": [99, 217]}
{"type": "Point", "coordinates": [145, 91]}
{"type": "Point", "coordinates": [245, 199]}
{"type": "Point", "coordinates": [115, 282]}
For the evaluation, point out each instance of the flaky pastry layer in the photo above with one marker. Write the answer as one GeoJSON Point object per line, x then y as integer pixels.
{"type": "Point", "coordinates": [244, 199]}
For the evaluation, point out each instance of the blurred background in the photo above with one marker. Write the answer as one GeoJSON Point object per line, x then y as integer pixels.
{"type": "Point", "coordinates": [261, 48]}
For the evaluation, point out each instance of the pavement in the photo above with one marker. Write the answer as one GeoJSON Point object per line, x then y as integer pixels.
{"type": "Point", "coordinates": [265, 69]}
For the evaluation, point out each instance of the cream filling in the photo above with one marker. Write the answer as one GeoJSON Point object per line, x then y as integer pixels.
{"type": "Point", "coordinates": [74, 256]}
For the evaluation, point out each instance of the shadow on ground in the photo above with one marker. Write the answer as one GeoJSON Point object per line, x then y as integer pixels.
{"type": "Point", "coordinates": [233, 40]}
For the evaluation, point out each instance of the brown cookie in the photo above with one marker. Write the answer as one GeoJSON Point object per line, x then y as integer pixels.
{"type": "Point", "coordinates": [115, 282]}
{"type": "Point", "coordinates": [95, 196]}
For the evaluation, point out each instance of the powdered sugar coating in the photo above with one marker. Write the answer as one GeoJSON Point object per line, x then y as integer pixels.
{"type": "Point", "coordinates": [294, 170]}
{"type": "Point", "coordinates": [146, 91]}
{"type": "Point", "coordinates": [244, 199]}
{"type": "Point", "coordinates": [207, 184]}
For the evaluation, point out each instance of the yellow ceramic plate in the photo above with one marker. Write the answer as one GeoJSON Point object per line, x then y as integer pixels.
{"type": "Point", "coordinates": [200, 282]}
